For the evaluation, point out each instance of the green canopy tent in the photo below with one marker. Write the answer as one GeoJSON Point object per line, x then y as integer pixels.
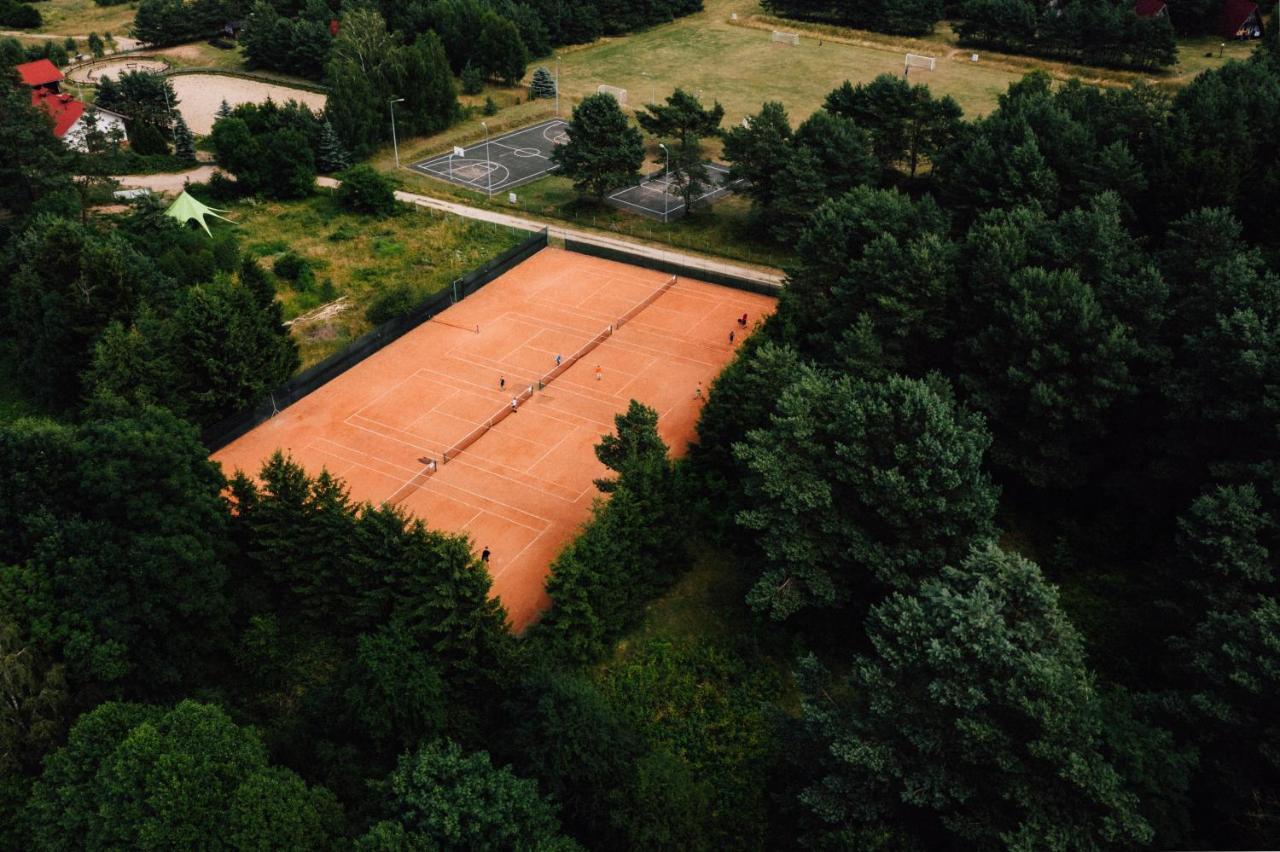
{"type": "Point", "coordinates": [186, 208]}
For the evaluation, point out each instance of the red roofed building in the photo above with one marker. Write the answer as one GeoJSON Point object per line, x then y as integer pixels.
{"type": "Point", "coordinates": [63, 109]}
{"type": "Point", "coordinates": [1240, 19]}
{"type": "Point", "coordinates": [71, 118]}
{"type": "Point", "coordinates": [42, 73]}
{"type": "Point", "coordinates": [1150, 8]}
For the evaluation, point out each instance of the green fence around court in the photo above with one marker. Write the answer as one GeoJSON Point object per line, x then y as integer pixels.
{"type": "Point", "coordinates": [685, 270]}
{"type": "Point", "coordinates": [218, 435]}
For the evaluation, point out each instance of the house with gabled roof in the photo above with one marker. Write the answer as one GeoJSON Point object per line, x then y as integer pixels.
{"type": "Point", "coordinates": [73, 119]}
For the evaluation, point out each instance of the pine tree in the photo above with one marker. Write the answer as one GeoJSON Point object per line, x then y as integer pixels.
{"type": "Point", "coordinates": [333, 157]}
{"type": "Point", "coordinates": [224, 109]}
{"type": "Point", "coordinates": [184, 146]}
{"type": "Point", "coordinates": [543, 85]}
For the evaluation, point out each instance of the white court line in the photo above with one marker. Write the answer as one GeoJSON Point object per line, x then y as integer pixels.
{"type": "Point", "coordinates": [352, 451]}
{"type": "Point", "coordinates": [513, 560]}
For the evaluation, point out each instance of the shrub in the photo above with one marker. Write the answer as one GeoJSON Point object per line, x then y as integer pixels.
{"type": "Point", "coordinates": [364, 190]}
{"type": "Point", "coordinates": [490, 108]}
{"type": "Point", "coordinates": [396, 302]}
{"type": "Point", "coordinates": [290, 266]}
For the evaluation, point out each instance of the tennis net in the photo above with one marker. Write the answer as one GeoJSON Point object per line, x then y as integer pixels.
{"type": "Point", "coordinates": [552, 374]}
{"type": "Point", "coordinates": [475, 434]}
{"type": "Point", "coordinates": [646, 302]}
{"type": "Point", "coordinates": [566, 363]}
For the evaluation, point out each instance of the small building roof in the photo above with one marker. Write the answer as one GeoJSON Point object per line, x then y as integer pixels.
{"type": "Point", "coordinates": [1234, 14]}
{"type": "Point", "coordinates": [39, 73]}
{"type": "Point", "coordinates": [63, 109]}
{"type": "Point", "coordinates": [1148, 8]}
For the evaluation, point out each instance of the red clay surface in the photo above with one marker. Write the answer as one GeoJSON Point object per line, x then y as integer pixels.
{"type": "Point", "coordinates": [525, 487]}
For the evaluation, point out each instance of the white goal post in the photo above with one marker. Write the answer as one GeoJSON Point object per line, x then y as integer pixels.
{"type": "Point", "coordinates": [915, 60]}
{"type": "Point", "coordinates": [619, 95]}
{"type": "Point", "coordinates": [786, 38]}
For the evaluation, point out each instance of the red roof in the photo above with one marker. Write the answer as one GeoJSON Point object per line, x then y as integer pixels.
{"type": "Point", "coordinates": [64, 109]}
{"type": "Point", "coordinates": [1147, 8]}
{"type": "Point", "coordinates": [39, 73]}
{"type": "Point", "coordinates": [1234, 14]}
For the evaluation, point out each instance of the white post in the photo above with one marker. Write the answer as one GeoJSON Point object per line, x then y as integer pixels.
{"type": "Point", "coordinates": [666, 181]}
{"type": "Point", "coordinates": [395, 144]}
{"type": "Point", "coordinates": [488, 162]}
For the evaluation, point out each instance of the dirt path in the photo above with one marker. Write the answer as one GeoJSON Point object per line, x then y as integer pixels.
{"type": "Point", "coordinates": [123, 43]}
{"type": "Point", "coordinates": [167, 182]}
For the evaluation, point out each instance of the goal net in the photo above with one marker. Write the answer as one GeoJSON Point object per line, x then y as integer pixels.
{"type": "Point", "coordinates": [786, 38]}
{"type": "Point", "coordinates": [915, 60]}
{"type": "Point", "coordinates": [619, 95]}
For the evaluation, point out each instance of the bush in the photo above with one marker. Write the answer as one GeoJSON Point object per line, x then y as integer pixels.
{"type": "Point", "coordinates": [290, 266]}
{"type": "Point", "coordinates": [396, 302]}
{"type": "Point", "coordinates": [364, 190]}
{"type": "Point", "coordinates": [223, 188]}
{"type": "Point", "coordinates": [490, 108]}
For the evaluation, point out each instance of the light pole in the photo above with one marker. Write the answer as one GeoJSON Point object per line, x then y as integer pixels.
{"type": "Point", "coordinates": [169, 112]}
{"type": "Point", "coordinates": [666, 182]}
{"type": "Point", "coordinates": [557, 85]}
{"type": "Point", "coordinates": [488, 162]}
{"type": "Point", "coordinates": [395, 144]}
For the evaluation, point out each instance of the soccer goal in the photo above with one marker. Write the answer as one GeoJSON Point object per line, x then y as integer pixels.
{"type": "Point", "coordinates": [619, 95]}
{"type": "Point", "coordinates": [786, 38]}
{"type": "Point", "coordinates": [915, 60]}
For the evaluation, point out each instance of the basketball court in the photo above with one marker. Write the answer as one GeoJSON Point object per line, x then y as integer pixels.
{"type": "Point", "coordinates": [504, 162]}
{"type": "Point", "coordinates": [424, 422]}
{"type": "Point", "coordinates": [659, 198]}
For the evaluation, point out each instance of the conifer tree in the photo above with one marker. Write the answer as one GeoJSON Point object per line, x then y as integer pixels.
{"type": "Point", "coordinates": [333, 156]}
{"type": "Point", "coordinates": [184, 146]}
{"type": "Point", "coordinates": [543, 85]}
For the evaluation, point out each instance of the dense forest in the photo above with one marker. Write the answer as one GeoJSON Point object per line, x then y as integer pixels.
{"type": "Point", "coordinates": [996, 487]}
{"type": "Point", "coordinates": [1095, 32]}
{"type": "Point", "coordinates": [492, 36]}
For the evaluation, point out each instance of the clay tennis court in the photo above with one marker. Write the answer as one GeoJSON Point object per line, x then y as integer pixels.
{"type": "Point", "coordinates": [524, 487]}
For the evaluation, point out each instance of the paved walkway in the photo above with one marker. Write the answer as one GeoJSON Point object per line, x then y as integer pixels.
{"type": "Point", "coordinates": [764, 275]}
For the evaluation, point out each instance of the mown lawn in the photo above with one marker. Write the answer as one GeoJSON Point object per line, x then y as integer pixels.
{"type": "Point", "coordinates": [355, 258]}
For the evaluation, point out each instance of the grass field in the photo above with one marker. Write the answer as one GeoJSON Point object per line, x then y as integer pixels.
{"type": "Point", "coordinates": [742, 68]}
{"type": "Point", "coordinates": [81, 17]}
{"type": "Point", "coordinates": [361, 257]}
